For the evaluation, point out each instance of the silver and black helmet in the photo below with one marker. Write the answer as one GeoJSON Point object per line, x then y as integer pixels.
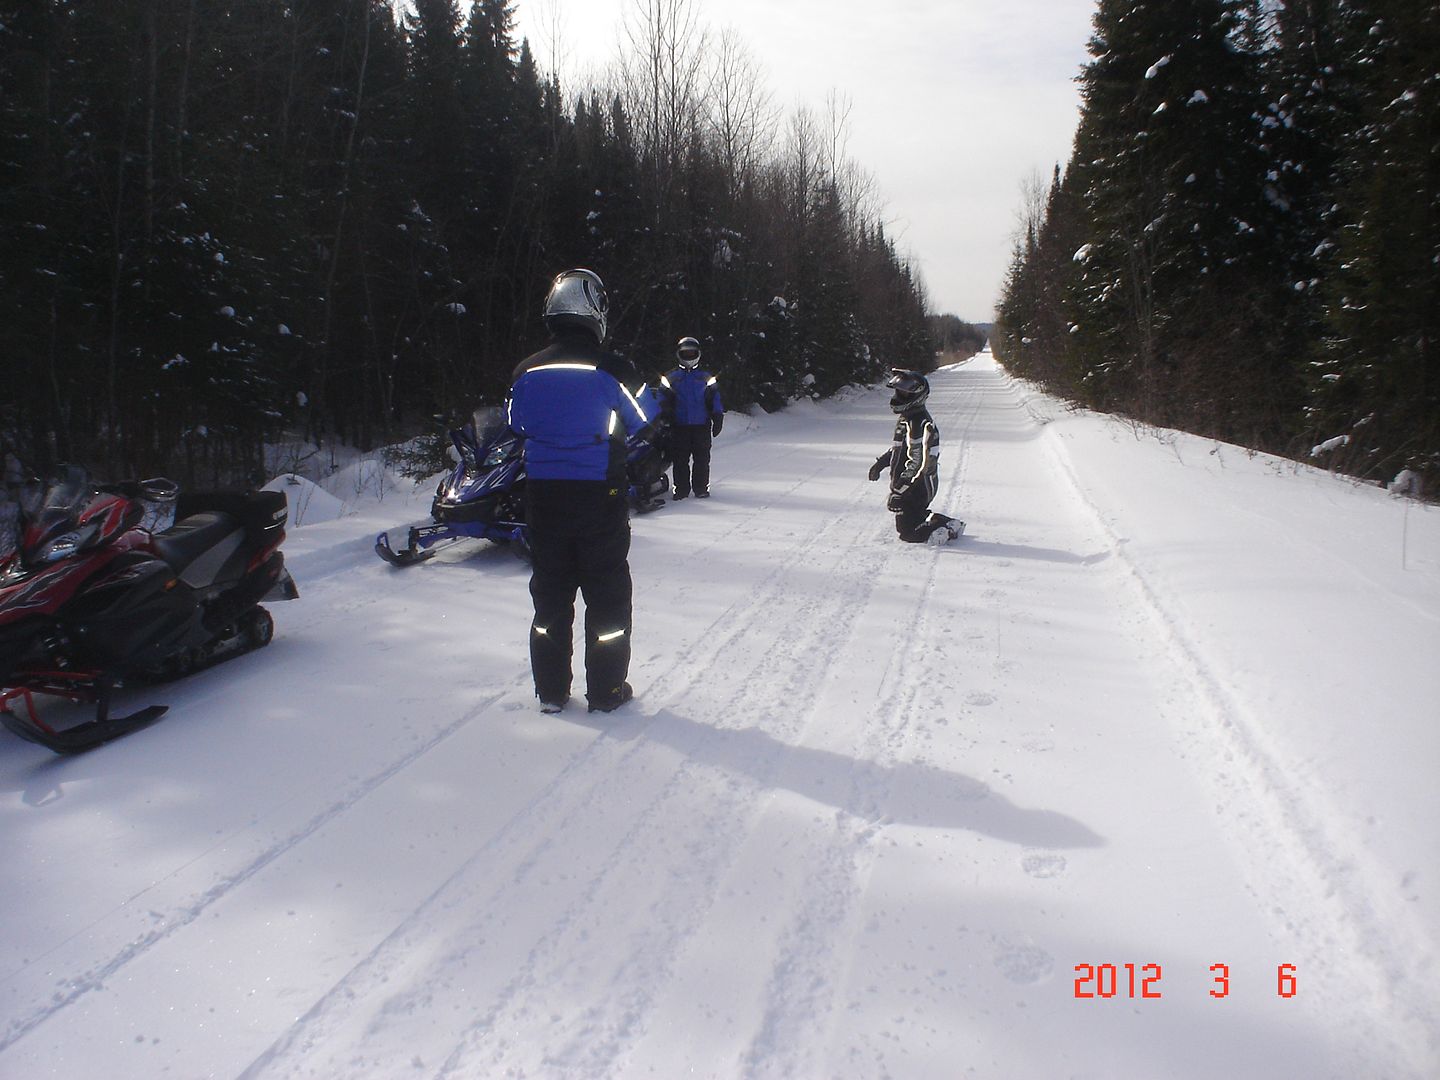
{"type": "Point", "coordinates": [687, 351]}
{"type": "Point", "coordinates": [911, 389]}
{"type": "Point", "coordinates": [577, 299]}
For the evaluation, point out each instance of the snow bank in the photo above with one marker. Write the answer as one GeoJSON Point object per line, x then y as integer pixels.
{"type": "Point", "coordinates": [308, 502]}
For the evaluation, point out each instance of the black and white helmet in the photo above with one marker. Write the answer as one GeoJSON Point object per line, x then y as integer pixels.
{"type": "Point", "coordinates": [911, 389]}
{"type": "Point", "coordinates": [577, 299]}
{"type": "Point", "coordinates": [687, 351]}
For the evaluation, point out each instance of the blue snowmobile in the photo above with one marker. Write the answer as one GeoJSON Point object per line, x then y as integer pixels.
{"type": "Point", "coordinates": [483, 497]}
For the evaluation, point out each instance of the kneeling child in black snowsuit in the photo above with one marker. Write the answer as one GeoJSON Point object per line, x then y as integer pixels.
{"type": "Point", "coordinates": [913, 461]}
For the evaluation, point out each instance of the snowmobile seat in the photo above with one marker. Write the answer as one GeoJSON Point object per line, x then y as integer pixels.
{"type": "Point", "coordinates": [190, 537]}
{"type": "Point", "coordinates": [263, 513]}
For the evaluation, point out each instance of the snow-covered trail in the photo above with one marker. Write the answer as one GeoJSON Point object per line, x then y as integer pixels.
{"type": "Point", "coordinates": [873, 805]}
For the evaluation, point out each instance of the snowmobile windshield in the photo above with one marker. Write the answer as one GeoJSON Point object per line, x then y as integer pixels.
{"type": "Point", "coordinates": [51, 532]}
{"type": "Point", "coordinates": [489, 421]}
{"type": "Point", "coordinates": [493, 434]}
{"type": "Point", "coordinates": [69, 490]}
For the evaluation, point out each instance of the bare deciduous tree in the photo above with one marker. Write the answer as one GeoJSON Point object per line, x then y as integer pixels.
{"type": "Point", "coordinates": [661, 77]}
{"type": "Point", "coordinates": [739, 110]}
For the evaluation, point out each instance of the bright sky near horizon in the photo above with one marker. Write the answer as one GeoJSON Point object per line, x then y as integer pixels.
{"type": "Point", "coordinates": [954, 104]}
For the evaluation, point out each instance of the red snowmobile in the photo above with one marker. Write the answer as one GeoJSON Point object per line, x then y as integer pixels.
{"type": "Point", "coordinates": [90, 600]}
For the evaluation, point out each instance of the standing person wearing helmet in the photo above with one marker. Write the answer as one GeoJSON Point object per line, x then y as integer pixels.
{"type": "Point", "coordinates": [698, 417]}
{"type": "Point", "coordinates": [913, 461]}
{"type": "Point", "coordinates": [572, 409]}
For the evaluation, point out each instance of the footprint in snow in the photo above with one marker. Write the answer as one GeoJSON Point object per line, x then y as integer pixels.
{"type": "Point", "coordinates": [1039, 864]}
{"type": "Point", "coordinates": [979, 698]}
{"type": "Point", "coordinates": [1023, 964]}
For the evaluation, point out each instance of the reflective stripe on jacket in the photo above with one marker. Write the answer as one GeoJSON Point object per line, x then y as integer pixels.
{"type": "Point", "coordinates": [573, 415]}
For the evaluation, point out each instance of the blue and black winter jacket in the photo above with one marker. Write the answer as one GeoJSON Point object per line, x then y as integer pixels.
{"type": "Point", "coordinates": [696, 395]}
{"type": "Point", "coordinates": [573, 412]}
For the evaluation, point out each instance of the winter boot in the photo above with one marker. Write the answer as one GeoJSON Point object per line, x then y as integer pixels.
{"type": "Point", "coordinates": [613, 700]}
{"type": "Point", "coordinates": [944, 529]}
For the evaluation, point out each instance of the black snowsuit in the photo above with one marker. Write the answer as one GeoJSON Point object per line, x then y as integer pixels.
{"type": "Point", "coordinates": [913, 461]}
{"type": "Point", "coordinates": [579, 532]}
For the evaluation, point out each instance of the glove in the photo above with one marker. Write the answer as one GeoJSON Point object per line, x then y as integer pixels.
{"type": "Point", "coordinates": [716, 423]}
{"type": "Point", "coordinates": [895, 502]}
{"type": "Point", "coordinates": [876, 470]}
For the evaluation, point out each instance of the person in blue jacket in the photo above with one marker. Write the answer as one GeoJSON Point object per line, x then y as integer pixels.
{"type": "Point", "coordinates": [698, 417]}
{"type": "Point", "coordinates": [570, 405]}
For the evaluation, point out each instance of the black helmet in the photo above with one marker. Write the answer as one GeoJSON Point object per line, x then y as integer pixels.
{"type": "Point", "coordinates": [687, 351]}
{"type": "Point", "coordinates": [577, 299]}
{"type": "Point", "coordinates": [911, 389]}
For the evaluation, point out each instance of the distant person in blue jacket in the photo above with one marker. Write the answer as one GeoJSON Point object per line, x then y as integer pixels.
{"type": "Point", "coordinates": [698, 417]}
{"type": "Point", "coordinates": [570, 404]}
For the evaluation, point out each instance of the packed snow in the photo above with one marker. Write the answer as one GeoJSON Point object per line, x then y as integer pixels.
{"type": "Point", "coordinates": [878, 810]}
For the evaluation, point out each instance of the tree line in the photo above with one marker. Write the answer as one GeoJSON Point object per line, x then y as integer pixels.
{"type": "Point", "coordinates": [954, 335]}
{"type": "Point", "coordinates": [224, 220]}
{"type": "Point", "coordinates": [1245, 242]}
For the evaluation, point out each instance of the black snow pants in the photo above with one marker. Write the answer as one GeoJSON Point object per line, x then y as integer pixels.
{"type": "Point", "coordinates": [914, 521]}
{"type": "Point", "coordinates": [691, 441]}
{"type": "Point", "coordinates": [579, 539]}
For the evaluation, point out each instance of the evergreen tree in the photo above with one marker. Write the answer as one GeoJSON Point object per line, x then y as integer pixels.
{"type": "Point", "coordinates": [226, 224]}
{"type": "Point", "coordinates": [1244, 243]}
{"type": "Point", "coordinates": [1380, 373]}
{"type": "Point", "coordinates": [1167, 168]}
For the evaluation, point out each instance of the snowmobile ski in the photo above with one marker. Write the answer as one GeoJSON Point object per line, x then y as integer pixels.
{"type": "Point", "coordinates": [74, 740]}
{"type": "Point", "coordinates": [81, 737]}
{"type": "Point", "coordinates": [406, 556]}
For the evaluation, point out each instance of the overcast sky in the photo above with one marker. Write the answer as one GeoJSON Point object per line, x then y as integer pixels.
{"type": "Point", "coordinates": [954, 104]}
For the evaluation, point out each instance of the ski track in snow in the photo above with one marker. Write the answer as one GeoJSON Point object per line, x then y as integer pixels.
{"type": "Point", "coordinates": [810, 627]}
{"type": "Point", "coordinates": [177, 919]}
{"type": "Point", "coordinates": [758, 801]}
{"type": "Point", "coordinates": [796, 999]}
{"type": "Point", "coordinates": [1321, 869]}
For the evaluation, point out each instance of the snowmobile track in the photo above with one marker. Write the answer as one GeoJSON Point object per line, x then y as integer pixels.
{"type": "Point", "coordinates": [794, 1003]}
{"type": "Point", "coordinates": [518, 852]}
{"type": "Point", "coordinates": [1310, 860]}
{"type": "Point", "coordinates": [80, 985]}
